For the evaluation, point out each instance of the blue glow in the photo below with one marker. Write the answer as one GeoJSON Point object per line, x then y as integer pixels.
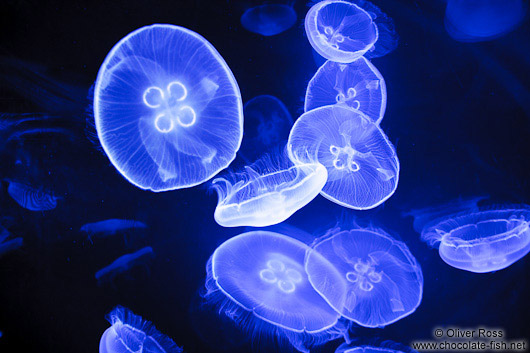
{"type": "Point", "coordinates": [379, 281]}
{"type": "Point", "coordinates": [482, 20]}
{"type": "Point", "coordinates": [167, 108]}
{"type": "Point", "coordinates": [258, 279]}
{"type": "Point", "coordinates": [340, 31]}
{"type": "Point", "coordinates": [363, 168]}
{"type": "Point", "coordinates": [358, 85]}
{"type": "Point", "coordinates": [267, 193]}
{"type": "Point", "coordinates": [349, 348]}
{"type": "Point", "coordinates": [269, 19]}
{"type": "Point", "coordinates": [33, 199]}
{"type": "Point", "coordinates": [109, 227]}
{"type": "Point", "coordinates": [8, 245]}
{"type": "Point", "coordinates": [482, 241]}
{"type": "Point", "coordinates": [123, 264]}
{"type": "Point", "coordinates": [131, 333]}
{"type": "Point", "coordinates": [267, 125]}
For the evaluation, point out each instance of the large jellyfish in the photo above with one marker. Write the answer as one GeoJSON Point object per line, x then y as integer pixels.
{"type": "Point", "coordinates": [269, 19]}
{"type": "Point", "coordinates": [167, 108]}
{"type": "Point", "coordinates": [267, 193]}
{"type": "Point", "coordinates": [358, 85]}
{"type": "Point", "coordinates": [339, 30]}
{"type": "Point", "coordinates": [362, 165]}
{"type": "Point", "coordinates": [482, 241]}
{"type": "Point", "coordinates": [380, 280]}
{"type": "Point", "coordinates": [131, 333]}
{"type": "Point", "coordinates": [258, 279]}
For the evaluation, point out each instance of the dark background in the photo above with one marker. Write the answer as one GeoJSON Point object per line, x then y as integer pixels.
{"type": "Point", "coordinates": [458, 114]}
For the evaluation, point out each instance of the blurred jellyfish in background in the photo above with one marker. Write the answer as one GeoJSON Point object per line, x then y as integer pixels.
{"type": "Point", "coordinates": [167, 108]}
{"type": "Point", "coordinates": [267, 125]}
{"type": "Point", "coordinates": [382, 347]}
{"type": "Point", "coordinates": [110, 227]}
{"type": "Point", "coordinates": [123, 264]}
{"type": "Point", "coordinates": [269, 19]}
{"type": "Point", "coordinates": [8, 245]}
{"type": "Point", "coordinates": [131, 333]}
{"type": "Point", "coordinates": [339, 30]}
{"type": "Point", "coordinates": [33, 199]}
{"type": "Point", "coordinates": [258, 280]}
{"type": "Point", "coordinates": [482, 20]}
{"type": "Point", "coordinates": [267, 192]}
{"type": "Point", "coordinates": [358, 85]}
{"type": "Point", "coordinates": [362, 165]}
{"type": "Point", "coordinates": [379, 282]}
{"type": "Point", "coordinates": [484, 240]}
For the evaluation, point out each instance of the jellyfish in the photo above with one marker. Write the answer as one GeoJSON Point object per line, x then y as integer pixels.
{"type": "Point", "coordinates": [8, 245]}
{"type": "Point", "coordinates": [258, 280]}
{"type": "Point", "coordinates": [109, 227]}
{"type": "Point", "coordinates": [123, 264]}
{"type": "Point", "coordinates": [167, 108]}
{"type": "Point", "coordinates": [380, 281]}
{"type": "Point", "coordinates": [362, 165]}
{"type": "Point", "coordinates": [131, 333]}
{"type": "Point", "coordinates": [339, 30]}
{"type": "Point", "coordinates": [482, 241]}
{"type": "Point", "coordinates": [482, 20]}
{"type": "Point", "coordinates": [31, 198]}
{"type": "Point", "coordinates": [269, 19]}
{"type": "Point", "coordinates": [267, 125]}
{"type": "Point", "coordinates": [266, 192]}
{"type": "Point", "coordinates": [388, 347]}
{"type": "Point", "coordinates": [358, 85]}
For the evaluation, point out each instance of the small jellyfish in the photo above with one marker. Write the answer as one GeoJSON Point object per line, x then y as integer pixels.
{"type": "Point", "coordinates": [123, 264]}
{"type": "Point", "coordinates": [267, 193]}
{"type": "Point", "coordinates": [388, 347]}
{"type": "Point", "coordinates": [269, 19]}
{"type": "Point", "coordinates": [8, 245]}
{"type": "Point", "coordinates": [362, 165]}
{"type": "Point", "coordinates": [482, 241]}
{"type": "Point", "coordinates": [33, 199]}
{"type": "Point", "coordinates": [111, 227]}
{"type": "Point", "coordinates": [340, 31]}
{"type": "Point", "coordinates": [131, 333]}
{"type": "Point", "coordinates": [267, 125]}
{"type": "Point", "coordinates": [258, 279]}
{"type": "Point", "coordinates": [167, 108]}
{"type": "Point", "coordinates": [358, 85]}
{"type": "Point", "coordinates": [380, 281]}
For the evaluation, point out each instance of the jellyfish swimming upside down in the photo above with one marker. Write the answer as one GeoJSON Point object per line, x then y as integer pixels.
{"type": "Point", "coordinates": [167, 108]}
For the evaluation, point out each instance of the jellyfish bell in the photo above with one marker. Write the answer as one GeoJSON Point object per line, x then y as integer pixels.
{"type": "Point", "coordinates": [358, 85]}
{"type": "Point", "coordinates": [269, 19]}
{"type": "Point", "coordinates": [167, 108]}
{"type": "Point", "coordinates": [484, 240]}
{"type": "Point", "coordinates": [387, 347]}
{"type": "Point", "coordinates": [380, 280]}
{"type": "Point", "coordinates": [362, 165]}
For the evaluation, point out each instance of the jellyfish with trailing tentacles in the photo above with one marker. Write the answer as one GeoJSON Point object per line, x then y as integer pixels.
{"type": "Point", "coordinates": [484, 240]}
{"type": "Point", "coordinates": [167, 108]}
{"type": "Point", "coordinates": [269, 19]}
{"type": "Point", "coordinates": [380, 280]}
{"type": "Point", "coordinates": [358, 85]}
{"type": "Point", "coordinates": [131, 333]}
{"type": "Point", "coordinates": [362, 165]}
{"type": "Point", "coordinates": [258, 280]}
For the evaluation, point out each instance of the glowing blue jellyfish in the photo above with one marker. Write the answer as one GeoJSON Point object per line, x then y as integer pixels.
{"type": "Point", "coordinates": [388, 347]}
{"type": "Point", "coordinates": [358, 85]}
{"type": "Point", "coordinates": [340, 31]}
{"type": "Point", "coordinates": [482, 241]}
{"type": "Point", "coordinates": [267, 126]}
{"type": "Point", "coordinates": [269, 19]}
{"type": "Point", "coordinates": [123, 264]}
{"type": "Point", "coordinates": [31, 198]}
{"type": "Point", "coordinates": [8, 245]}
{"type": "Point", "coordinates": [258, 279]}
{"type": "Point", "coordinates": [131, 333]}
{"type": "Point", "coordinates": [109, 227]}
{"type": "Point", "coordinates": [380, 281]}
{"type": "Point", "coordinates": [265, 193]}
{"type": "Point", "coordinates": [167, 108]}
{"type": "Point", "coordinates": [362, 165]}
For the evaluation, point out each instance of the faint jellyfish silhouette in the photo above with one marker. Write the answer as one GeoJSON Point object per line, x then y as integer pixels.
{"type": "Point", "coordinates": [131, 333]}
{"type": "Point", "coordinates": [386, 347]}
{"type": "Point", "coordinates": [482, 241]}
{"type": "Point", "coordinates": [31, 198]}
{"type": "Point", "coordinates": [167, 108]}
{"type": "Point", "coordinates": [123, 264]}
{"type": "Point", "coordinates": [339, 30]}
{"type": "Point", "coordinates": [269, 19]}
{"type": "Point", "coordinates": [358, 85]}
{"type": "Point", "coordinates": [110, 227]}
{"type": "Point", "coordinates": [267, 125]}
{"type": "Point", "coordinates": [482, 20]}
{"type": "Point", "coordinates": [8, 245]}
{"type": "Point", "coordinates": [362, 165]}
{"type": "Point", "coordinates": [380, 280]}
{"type": "Point", "coordinates": [258, 280]}
{"type": "Point", "coordinates": [267, 192]}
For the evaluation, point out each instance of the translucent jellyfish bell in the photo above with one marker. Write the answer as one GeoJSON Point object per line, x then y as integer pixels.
{"type": "Point", "coordinates": [358, 85]}
{"type": "Point", "coordinates": [482, 241]}
{"type": "Point", "coordinates": [362, 165]}
{"type": "Point", "coordinates": [380, 280]}
{"type": "Point", "coordinates": [392, 348]}
{"type": "Point", "coordinates": [269, 19]}
{"type": "Point", "coordinates": [339, 30]}
{"type": "Point", "coordinates": [167, 108]}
